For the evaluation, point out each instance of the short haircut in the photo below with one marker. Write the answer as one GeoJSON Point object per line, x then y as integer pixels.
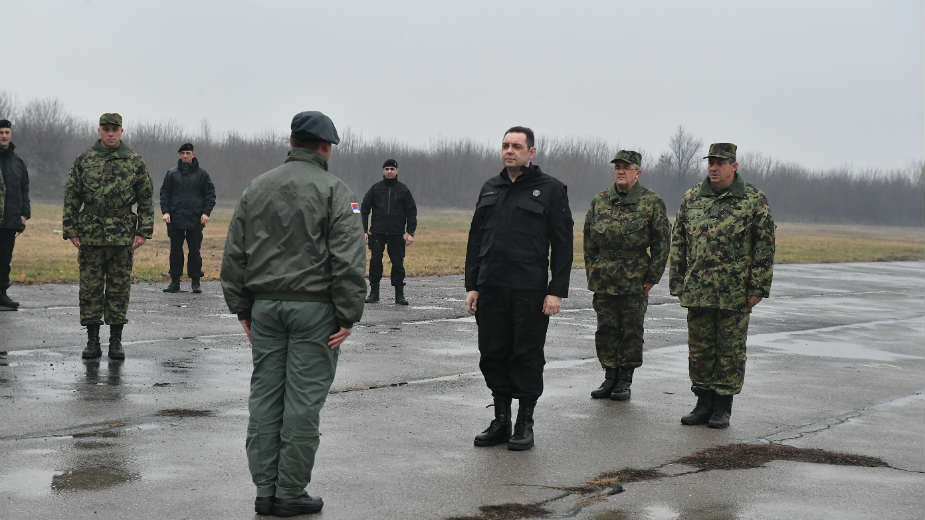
{"type": "Point", "coordinates": [522, 130]}
{"type": "Point", "coordinates": [5, 123]}
{"type": "Point", "coordinates": [307, 141]}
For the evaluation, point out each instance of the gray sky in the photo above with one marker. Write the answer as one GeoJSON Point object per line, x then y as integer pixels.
{"type": "Point", "coordinates": [817, 82]}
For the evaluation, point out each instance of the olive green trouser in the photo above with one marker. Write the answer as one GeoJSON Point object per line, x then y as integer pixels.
{"type": "Point", "coordinates": [293, 371]}
{"type": "Point", "coordinates": [716, 349]}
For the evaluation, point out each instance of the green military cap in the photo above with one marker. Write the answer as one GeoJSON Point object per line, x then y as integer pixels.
{"type": "Point", "coordinates": [628, 156]}
{"type": "Point", "coordinates": [722, 151]}
{"type": "Point", "coordinates": [111, 119]}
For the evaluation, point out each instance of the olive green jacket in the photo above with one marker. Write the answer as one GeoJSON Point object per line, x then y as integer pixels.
{"type": "Point", "coordinates": [625, 240]}
{"type": "Point", "coordinates": [722, 247]}
{"type": "Point", "coordinates": [101, 189]}
{"type": "Point", "coordinates": [296, 235]}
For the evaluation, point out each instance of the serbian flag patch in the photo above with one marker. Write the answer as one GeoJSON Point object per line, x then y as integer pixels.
{"type": "Point", "coordinates": [355, 206]}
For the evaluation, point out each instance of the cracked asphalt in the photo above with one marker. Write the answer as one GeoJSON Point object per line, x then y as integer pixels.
{"type": "Point", "coordinates": [836, 361]}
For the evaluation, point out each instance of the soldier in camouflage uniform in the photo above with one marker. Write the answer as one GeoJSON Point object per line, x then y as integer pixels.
{"type": "Point", "coordinates": [104, 184]}
{"type": "Point", "coordinates": [721, 266]}
{"type": "Point", "coordinates": [626, 248]}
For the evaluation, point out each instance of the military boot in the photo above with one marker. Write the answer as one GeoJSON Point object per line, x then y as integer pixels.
{"type": "Point", "coordinates": [702, 411]}
{"type": "Point", "coordinates": [400, 295]}
{"type": "Point", "coordinates": [115, 342]}
{"type": "Point", "coordinates": [195, 286]}
{"type": "Point", "coordinates": [722, 410]}
{"type": "Point", "coordinates": [373, 293]}
{"type": "Point", "coordinates": [174, 286]}
{"type": "Point", "coordinates": [499, 431]}
{"type": "Point", "coordinates": [523, 428]}
{"type": "Point", "coordinates": [610, 379]}
{"type": "Point", "coordinates": [92, 350]}
{"type": "Point", "coordinates": [621, 391]}
{"type": "Point", "coordinates": [5, 301]}
{"type": "Point", "coordinates": [302, 505]}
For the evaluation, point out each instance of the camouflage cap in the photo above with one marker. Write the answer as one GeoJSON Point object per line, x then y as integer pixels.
{"type": "Point", "coordinates": [111, 119]}
{"type": "Point", "coordinates": [722, 151]}
{"type": "Point", "coordinates": [627, 156]}
{"type": "Point", "coordinates": [316, 125]}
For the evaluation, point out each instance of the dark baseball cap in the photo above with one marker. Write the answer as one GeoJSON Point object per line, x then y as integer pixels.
{"type": "Point", "coordinates": [390, 163]}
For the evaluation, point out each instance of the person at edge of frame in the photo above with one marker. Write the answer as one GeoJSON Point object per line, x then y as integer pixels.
{"type": "Point", "coordinates": [102, 187]}
{"type": "Point", "coordinates": [292, 271]}
{"type": "Point", "coordinates": [394, 221]}
{"type": "Point", "coordinates": [722, 263]}
{"type": "Point", "coordinates": [187, 197]}
{"type": "Point", "coordinates": [626, 248]}
{"type": "Point", "coordinates": [15, 208]}
{"type": "Point", "coordinates": [521, 228]}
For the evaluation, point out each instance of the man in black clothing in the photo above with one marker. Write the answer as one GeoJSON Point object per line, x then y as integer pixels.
{"type": "Point", "coordinates": [394, 214]}
{"type": "Point", "coordinates": [187, 199]}
{"type": "Point", "coordinates": [14, 207]}
{"type": "Point", "coordinates": [521, 229]}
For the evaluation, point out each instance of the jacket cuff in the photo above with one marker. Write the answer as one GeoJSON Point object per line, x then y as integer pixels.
{"type": "Point", "coordinates": [244, 315]}
{"type": "Point", "coordinates": [345, 324]}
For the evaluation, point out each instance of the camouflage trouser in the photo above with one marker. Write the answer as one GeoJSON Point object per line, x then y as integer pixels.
{"type": "Point", "coordinates": [105, 282]}
{"type": "Point", "coordinates": [716, 346]}
{"type": "Point", "coordinates": [619, 329]}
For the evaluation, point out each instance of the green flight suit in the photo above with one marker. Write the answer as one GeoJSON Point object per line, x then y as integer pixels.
{"type": "Point", "coordinates": [723, 252]}
{"type": "Point", "coordinates": [102, 188]}
{"type": "Point", "coordinates": [626, 246]}
{"type": "Point", "coordinates": [293, 264]}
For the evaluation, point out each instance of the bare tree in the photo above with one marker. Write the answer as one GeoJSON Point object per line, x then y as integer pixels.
{"type": "Point", "coordinates": [684, 149]}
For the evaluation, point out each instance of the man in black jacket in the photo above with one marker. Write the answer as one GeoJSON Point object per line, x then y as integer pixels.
{"type": "Point", "coordinates": [521, 229]}
{"type": "Point", "coordinates": [394, 213]}
{"type": "Point", "coordinates": [14, 207]}
{"type": "Point", "coordinates": [187, 199]}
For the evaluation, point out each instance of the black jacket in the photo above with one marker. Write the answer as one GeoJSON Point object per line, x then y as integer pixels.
{"type": "Point", "coordinates": [513, 230]}
{"type": "Point", "coordinates": [16, 182]}
{"type": "Point", "coordinates": [392, 206]}
{"type": "Point", "coordinates": [187, 193]}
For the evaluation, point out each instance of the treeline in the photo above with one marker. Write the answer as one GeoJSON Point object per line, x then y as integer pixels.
{"type": "Point", "coordinates": [448, 173]}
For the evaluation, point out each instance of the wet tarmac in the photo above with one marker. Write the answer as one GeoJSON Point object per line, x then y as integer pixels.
{"type": "Point", "coordinates": [835, 389]}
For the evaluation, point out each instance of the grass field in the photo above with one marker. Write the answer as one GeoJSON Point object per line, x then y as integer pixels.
{"type": "Point", "coordinates": [41, 255]}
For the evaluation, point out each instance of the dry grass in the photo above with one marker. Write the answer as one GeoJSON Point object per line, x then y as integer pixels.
{"type": "Point", "coordinates": [440, 247]}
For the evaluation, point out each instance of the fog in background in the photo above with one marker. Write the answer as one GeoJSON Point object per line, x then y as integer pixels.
{"type": "Point", "coordinates": [821, 83]}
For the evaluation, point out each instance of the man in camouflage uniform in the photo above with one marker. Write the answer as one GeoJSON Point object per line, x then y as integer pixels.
{"type": "Point", "coordinates": [721, 266]}
{"type": "Point", "coordinates": [104, 184]}
{"type": "Point", "coordinates": [626, 248]}
{"type": "Point", "coordinates": [293, 273]}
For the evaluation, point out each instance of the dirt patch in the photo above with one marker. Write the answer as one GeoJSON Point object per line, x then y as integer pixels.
{"type": "Point", "coordinates": [746, 456]}
{"type": "Point", "coordinates": [506, 512]}
{"type": "Point", "coordinates": [613, 479]}
{"type": "Point", "coordinates": [183, 412]}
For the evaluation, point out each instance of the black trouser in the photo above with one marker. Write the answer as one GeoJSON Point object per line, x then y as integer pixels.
{"type": "Point", "coordinates": [193, 239]}
{"type": "Point", "coordinates": [512, 332]}
{"type": "Point", "coordinates": [396, 245]}
{"type": "Point", "coordinates": [7, 240]}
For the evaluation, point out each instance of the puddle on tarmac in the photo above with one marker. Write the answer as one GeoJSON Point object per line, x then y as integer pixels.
{"type": "Point", "coordinates": [183, 412]}
{"type": "Point", "coordinates": [506, 512]}
{"type": "Point", "coordinates": [855, 341]}
{"type": "Point", "coordinates": [92, 478]}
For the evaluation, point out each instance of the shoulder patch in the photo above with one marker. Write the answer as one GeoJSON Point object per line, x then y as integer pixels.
{"type": "Point", "coordinates": [355, 207]}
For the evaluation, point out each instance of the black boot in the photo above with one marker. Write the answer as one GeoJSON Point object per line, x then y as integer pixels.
{"type": "Point", "coordinates": [621, 391]}
{"type": "Point", "coordinates": [373, 292]}
{"type": "Point", "coordinates": [92, 350]}
{"type": "Point", "coordinates": [5, 301]}
{"type": "Point", "coordinates": [722, 410]}
{"type": "Point", "coordinates": [701, 412]}
{"type": "Point", "coordinates": [174, 286]}
{"type": "Point", "coordinates": [195, 286]}
{"type": "Point", "coordinates": [115, 342]}
{"type": "Point", "coordinates": [499, 431]}
{"type": "Point", "coordinates": [302, 505]}
{"type": "Point", "coordinates": [523, 428]}
{"type": "Point", "coordinates": [264, 505]}
{"type": "Point", "coordinates": [400, 295]}
{"type": "Point", "coordinates": [610, 379]}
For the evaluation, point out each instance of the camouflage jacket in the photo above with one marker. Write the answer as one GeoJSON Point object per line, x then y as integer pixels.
{"type": "Point", "coordinates": [722, 247]}
{"type": "Point", "coordinates": [626, 241]}
{"type": "Point", "coordinates": [101, 189]}
{"type": "Point", "coordinates": [296, 236]}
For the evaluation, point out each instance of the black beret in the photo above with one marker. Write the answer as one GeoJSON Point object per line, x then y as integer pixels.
{"type": "Point", "coordinates": [316, 125]}
{"type": "Point", "coordinates": [5, 123]}
{"type": "Point", "coordinates": [185, 147]}
{"type": "Point", "coordinates": [390, 162]}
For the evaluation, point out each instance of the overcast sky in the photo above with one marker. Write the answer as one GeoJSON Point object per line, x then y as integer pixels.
{"type": "Point", "coordinates": [821, 83]}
